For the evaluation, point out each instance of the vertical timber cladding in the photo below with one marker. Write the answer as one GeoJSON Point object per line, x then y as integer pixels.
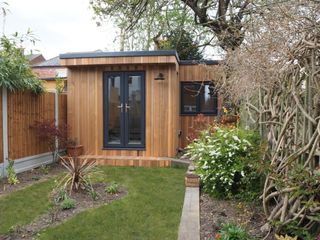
{"type": "Point", "coordinates": [85, 109]}
{"type": "Point", "coordinates": [62, 112]}
{"type": "Point", "coordinates": [24, 108]}
{"type": "Point", "coordinates": [62, 108]}
{"type": "Point", "coordinates": [190, 73]}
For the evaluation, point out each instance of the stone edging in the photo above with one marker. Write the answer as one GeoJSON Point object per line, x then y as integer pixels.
{"type": "Point", "coordinates": [189, 228]}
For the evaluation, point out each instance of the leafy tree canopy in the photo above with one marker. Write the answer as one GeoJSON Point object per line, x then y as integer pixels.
{"type": "Point", "coordinates": [15, 71]}
{"type": "Point", "coordinates": [145, 24]}
{"type": "Point", "coordinates": [223, 19]}
{"type": "Point", "coordinates": [183, 42]}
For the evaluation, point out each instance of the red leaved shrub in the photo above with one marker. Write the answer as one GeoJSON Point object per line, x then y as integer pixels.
{"type": "Point", "coordinates": [49, 132]}
{"type": "Point", "coordinates": [200, 123]}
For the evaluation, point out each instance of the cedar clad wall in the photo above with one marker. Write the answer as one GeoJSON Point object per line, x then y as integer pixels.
{"type": "Point", "coordinates": [196, 72]}
{"type": "Point", "coordinates": [190, 73]}
{"type": "Point", "coordinates": [163, 120]}
{"type": "Point", "coordinates": [85, 109]}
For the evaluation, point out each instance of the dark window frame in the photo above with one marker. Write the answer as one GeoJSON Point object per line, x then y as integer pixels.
{"type": "Point", "coordinates": [124, 145]}
{"type": "Point", "coordinates": [214, 111]}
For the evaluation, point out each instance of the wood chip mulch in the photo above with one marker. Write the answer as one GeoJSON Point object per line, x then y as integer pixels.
{"type": "Point", "coordinates": [30, 177]}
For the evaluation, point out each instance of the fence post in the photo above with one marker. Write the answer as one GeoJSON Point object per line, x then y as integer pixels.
{"type": "Point", "coordinates": [5, 129]}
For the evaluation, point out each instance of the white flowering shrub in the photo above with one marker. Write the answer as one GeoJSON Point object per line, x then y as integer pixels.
{"type": "Point", "coordinates": [224, 159]}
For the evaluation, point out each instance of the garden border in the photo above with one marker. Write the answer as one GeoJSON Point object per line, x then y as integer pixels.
{"type": "Point", "coordinates": [189, 228]}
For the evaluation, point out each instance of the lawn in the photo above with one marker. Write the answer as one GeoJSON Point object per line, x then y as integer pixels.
{"type": "Point", "coordinates": [151, 210]}
{"type": "Point", "coordinates": [23, 206]}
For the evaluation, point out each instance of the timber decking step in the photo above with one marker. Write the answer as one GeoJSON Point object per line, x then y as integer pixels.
{"type": "Point", "coordinates": [136, 161]}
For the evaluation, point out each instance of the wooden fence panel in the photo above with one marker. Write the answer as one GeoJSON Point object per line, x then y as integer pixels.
{"type": "Point", "coordinates": [24, 109]}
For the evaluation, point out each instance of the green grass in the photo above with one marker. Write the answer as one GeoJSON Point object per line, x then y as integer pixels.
{"type": "Point", "coordinates": [23, 206]}
{"type": "Point", "coordinates": [151, 210]}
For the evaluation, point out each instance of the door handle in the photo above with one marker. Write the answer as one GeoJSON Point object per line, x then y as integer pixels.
{"type": "Point", "coordinates": [127, 107]}
{"type": "Point", "coordinates": [121, 107]}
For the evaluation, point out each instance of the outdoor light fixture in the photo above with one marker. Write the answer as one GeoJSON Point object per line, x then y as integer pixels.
{"type": "Point", "coordinates": [160, 77]}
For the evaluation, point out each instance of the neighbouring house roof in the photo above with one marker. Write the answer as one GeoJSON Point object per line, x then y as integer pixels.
{"type": "Point", "coordinates": [53, 78]}
{"type": "Point", "coordinates": [35, 58]}
{"type": "Point", "coordinates": [50, 73]}
{"type": "Point", "coordinates": [52, 62]}
{"type": "Point", "coordinates": [50, 69]}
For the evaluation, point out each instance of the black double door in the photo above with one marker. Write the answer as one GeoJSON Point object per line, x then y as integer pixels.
{"type": "Point", "coordinates": [124, 110]}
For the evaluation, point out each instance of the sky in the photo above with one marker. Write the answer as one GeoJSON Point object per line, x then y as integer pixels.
{"type": "Point", "coordinates": [60, 25]}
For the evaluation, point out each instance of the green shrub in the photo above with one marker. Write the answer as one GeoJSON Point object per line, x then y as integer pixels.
{"type": "Point", "coordinates": [68, 203]}
{"type": "Point", "coordinates": [93, 193]}
{"type": "Point", "coordinates": [12, 176]}
{"type": "Point", "coordinates": [232, 232]}
{"type": "Point", "coordinates": [44, 169]}
{"type": "Point", "coordinates": [59, 195]}
{"type": "Point", "coordinates": [113, 188]}
{"type": "Point", "coordinates": [293, 229]}
{"type": "Point", "coordinates": [225, 160]}
{"type": "Point", "coordinates": [62, 200]}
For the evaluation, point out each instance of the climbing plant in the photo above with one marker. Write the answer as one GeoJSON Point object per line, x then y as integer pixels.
{"type": "Point", "coordinates": [290, 114]}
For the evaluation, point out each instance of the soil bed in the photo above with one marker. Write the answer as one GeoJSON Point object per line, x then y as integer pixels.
{"type": "Point", "coordinates": [214, 212]}
{"type": "Point", "coordinates": [57, 216]}
{"type": "Point", "coordinates": [30, 177]}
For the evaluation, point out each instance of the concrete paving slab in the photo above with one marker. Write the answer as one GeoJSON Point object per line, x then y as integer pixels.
{"type": "Point", "coordinates": [189, 228]}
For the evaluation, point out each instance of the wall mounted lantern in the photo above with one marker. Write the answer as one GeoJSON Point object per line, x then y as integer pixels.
{"type": "Point", "coordinates": [160, 77]}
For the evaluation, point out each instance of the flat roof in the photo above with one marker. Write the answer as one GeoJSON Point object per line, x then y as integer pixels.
{"type": "Point", "coordinates": [120, 54]}
{"type": "Point", "coordinates": [86, 56]}
{"type": "Point", "coordinates": [196, 62]}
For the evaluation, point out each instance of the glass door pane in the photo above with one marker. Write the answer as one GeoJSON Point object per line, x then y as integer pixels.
{"type": "Point", "coordinates": [124, 110]}
{"type": "Point", "coordinates": [134, 109]}
{"type": "Point", "coordinates": [114, 110]}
